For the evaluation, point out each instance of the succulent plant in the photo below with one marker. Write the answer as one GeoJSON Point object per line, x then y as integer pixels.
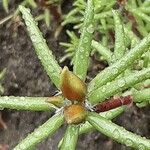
{"type": "Point", "coordinates": [77, 100]}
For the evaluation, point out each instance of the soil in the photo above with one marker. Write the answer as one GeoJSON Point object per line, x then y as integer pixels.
{"type": "Point", "coordinates": [26, 77]}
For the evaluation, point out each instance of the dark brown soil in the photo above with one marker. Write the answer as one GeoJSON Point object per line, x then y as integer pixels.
{"type": "Point", "coordinates": [25, 77]}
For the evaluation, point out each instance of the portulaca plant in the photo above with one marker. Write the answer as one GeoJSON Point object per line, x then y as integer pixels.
{"type": "Point", "coordinates": [86, 106]}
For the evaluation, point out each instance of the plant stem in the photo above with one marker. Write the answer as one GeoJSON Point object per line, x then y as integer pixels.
{"type": "Point", "coordinates": [81, 61]}
{"type": "Point", "coordinates": [70, 139]}
{"type": "Point", "coordinates": [113, 103]}
{"type": "Point", "coordinates": [26, 103]}
{"type": "Point", "coordinates": [44, 54]}
{"type": "Point", "coordinates": [118, 85]}
{"type": "Point", "coordinates": [118, 133]}
{"type": "Point", "coordinates": [41, 133]}
{"type": "Point", "coordinates": [117, 68]}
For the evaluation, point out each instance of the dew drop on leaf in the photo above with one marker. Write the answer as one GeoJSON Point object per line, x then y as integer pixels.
{"type": "Point", "coordinates": [141, 147]}
{"type": "Point", "coordinates": [116, 133]}
{"type": "Point", "coordinates": [114, 70]}
{"type": "Point", "coordinates": [129, 142]}
{"type": "Point", "coordinates": [121, 82]}
{"type": "Point", "coordinates": [90, 28]}
{"type": "Point", "coordinates": [28, 23]}
{"type": "Point", "coordinates": [37, 134]}
{"type": "Point", "coordinates": [103, 89]}
{"type": "Point", "coordinates": [85, 40]}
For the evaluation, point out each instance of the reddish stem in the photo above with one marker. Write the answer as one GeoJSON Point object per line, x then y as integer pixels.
{"type": "Point", "coordinates": [113, 103]}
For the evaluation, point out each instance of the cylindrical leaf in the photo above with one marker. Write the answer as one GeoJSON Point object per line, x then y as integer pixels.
{"type": "Point", "coordinates": [26, 103]}
{"type": "Point", "coordinates": [70, 139]}
{"type": "Point", "coordinates": [141, 96]}
{"type": "Point", "coordinates": [44, 54]}
{"type": "Point", "coordinates": [118, 85]}
{"type": "Point", "coordinates": [87, 127]}
{"type": "Point", "coordinates": [118, 133]}
{"type": "Point", "coordinates": [41, 133]}
{"type": "Point", "coordinates": [117, 68]}
{"type": "Point", "coordinates": [119, 37]}
{"type": "Point", "coordinates": [81, 61]}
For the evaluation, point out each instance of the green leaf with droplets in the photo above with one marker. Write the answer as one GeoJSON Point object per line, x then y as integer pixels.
{"type": "Point", "coordinates": [81, 60]}
{"type": "Point", "coordinates": [121, 65]}
{"type": "Point", "coordinates": [41, 133]}
{"type": "Point", "coordinates": [118, 85]}
{"type": "Point", "coordinates": [106, 53]}
{"type": "Point", "coordinates": [70, 138]}
{"type": "Point", "coordinates": [26, 103]}
{"type": "Point", "coordinates": [141, 96]}
{"type": "Point", "coordinates": [43, 52]}
{"type": "Point", "coordinates": [119, 37]}
{"type": "Point", "coordinates": [118, 133]}
{"type": "Point", "coordinates": [87, 127]}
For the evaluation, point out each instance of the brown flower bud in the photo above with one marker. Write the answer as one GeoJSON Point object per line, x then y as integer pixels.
{"type": "Point", "coordinates": [56, 100]}
{"type": "Point", "coordinates": [75, 114]}
{"type": "Point", "coordinates": [72, 87]}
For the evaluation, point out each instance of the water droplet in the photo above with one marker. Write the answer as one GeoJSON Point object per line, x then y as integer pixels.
{"type": "Point", "coordinates": [129, 142]}
{"type": "Point", "coordinates": [22, 146]}
{"type": "Point", "coordinates": [34, 38]}
{"type": "Point", "coordinates": [81, 49]}
{"type": "Point", "coordinates": [6, 98]}
{"type": "Point", "coordinates": [37, 133]}
{"type": "Point", "coordinates": [114, 70]}
{"type": "Point", "coordinates": [121, 82]}
{"type": "Point", "coordinates": [91, 87]}
{"type": "Point", "coordinates": [28, 10]}
{"type": "Point", "coordinates": [141, 147]}
{"type": "Point", "coordinates": [97, 95]}
{"type": "Point", "coordinates": [22, 98]}
{"type": "Point", "coordinates": [28, 23]}
{"type": "Point", "coordinates": [85, 40]}
{"type": "Point", "coordinates": [116, 133]}
{"type": "Point", "coordinates": [90, 28]}
{"type": "Point", "coordinates": [103, 89]}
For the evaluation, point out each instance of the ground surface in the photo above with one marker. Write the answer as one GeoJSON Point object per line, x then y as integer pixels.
{"type": "Point", "coordinates": [25, 77]}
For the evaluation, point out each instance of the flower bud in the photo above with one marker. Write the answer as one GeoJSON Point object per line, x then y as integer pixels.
{"type": "Point", "coordinates": [75, 114]}
{"type": "Point", "coordinates": [72, 87]}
